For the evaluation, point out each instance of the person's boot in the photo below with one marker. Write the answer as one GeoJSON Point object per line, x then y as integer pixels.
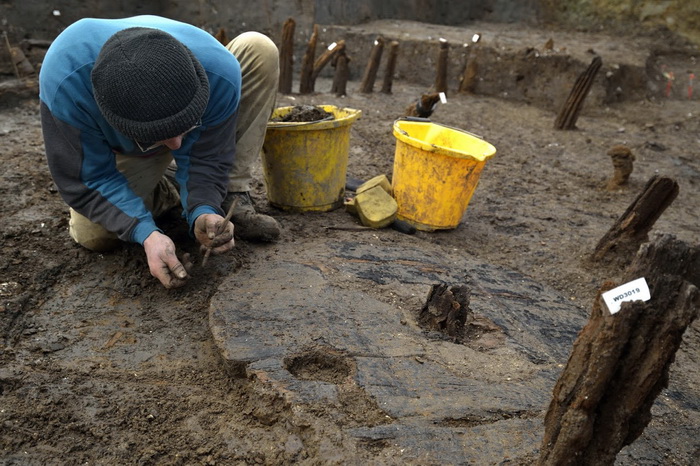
{"type": "Point", "coordinates": [248, 224]}
{"type": "Point", "coordinates": [164, 198]}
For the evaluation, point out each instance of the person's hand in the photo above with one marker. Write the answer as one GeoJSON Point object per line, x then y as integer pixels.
{"type": "Point", "coordinates": [163, 262]}
{"type": "Point", "coordinates": [205, 230]}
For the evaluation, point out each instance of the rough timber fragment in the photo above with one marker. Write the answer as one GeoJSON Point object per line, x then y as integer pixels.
{"type": "Point", "coordinates": [569, 113]}
{"type": "Point", "coordinates": [287, 56]}
{"type": "Point", "coordinates": [623, 164]}
{"type": "Point", "coordinates": [633, 226]}
{"type": "Point", "coordinates": [620, 362]}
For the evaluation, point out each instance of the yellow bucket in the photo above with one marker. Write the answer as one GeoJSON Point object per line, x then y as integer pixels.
{"type": "Point", "coordinates": [305, 164]}
{"type": "Point", "coordinates": [436, 170]}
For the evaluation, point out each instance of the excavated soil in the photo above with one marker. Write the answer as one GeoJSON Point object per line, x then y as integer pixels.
{"type": "Point", "coordinates": [100, 364]}
{"type": "Point", "coordinates": [304, 113]}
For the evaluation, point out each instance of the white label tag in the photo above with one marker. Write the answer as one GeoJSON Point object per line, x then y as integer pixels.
{"type": "Point", "coordinates": [636, 290]}
{"type": "Point", "coordinates": [443, 98]}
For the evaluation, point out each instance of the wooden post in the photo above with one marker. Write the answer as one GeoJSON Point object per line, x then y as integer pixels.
{"type": "Point", "coordinates": [569, 113]}
{"type": "Point", "coordinates": [424, 107]}
{"type": "Point", "coordinates": [467, 81]}
{"type": "Point", "coordinates": [306, 84]}
{"type": "Point", "coordinates": [372, 66]}
{"type": "Point", "coordinates": [222, 37]}
{"type": "Point", "coordinates": [447, 311]}
{"type": "Point", "coordinates": [324, 58]}
{"type": "Point", "coordinates": [13, 58]}
{"type": "Point", "coordinates": [287, 56]}
{"type": "Point", "coordinates": [632, 228]}
{"type": "Point", "coordinates": [390, 67]}
{"type": "Point", "coordinates": [441, 67]}
{"type": "Point", "coordinates": [620, 362]}
{"type": "Point", "coordinates": [623, 164]}
{"type": "Point", "coordinates": [342, 73]}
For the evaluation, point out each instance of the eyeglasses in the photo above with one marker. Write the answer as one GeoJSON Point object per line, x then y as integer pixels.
{"type": "Point", "coordinates": [158, 144]}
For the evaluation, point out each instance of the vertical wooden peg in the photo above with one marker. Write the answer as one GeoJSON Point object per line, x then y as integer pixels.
{"type": "Point", "coordinates": [468, 78]}
{"type": "Point", "coordinates": [306, 85]}
{"type": "Point", "coordinates": [572, 107]}
{"type": "Point", "coordinates": [342, 73]}
{"type": "Point", "coordinates": [372, 66]}
{"type": "Point", "coordinates": [390, 67]}
{"type": "Point", "coordinates": [441, 69]}
{"type": "Point", "coordinates": [287, 56]}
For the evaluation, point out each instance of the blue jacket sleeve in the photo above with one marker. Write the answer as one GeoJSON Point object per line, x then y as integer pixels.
{"type": "Point", "coordinates": [84, 169]}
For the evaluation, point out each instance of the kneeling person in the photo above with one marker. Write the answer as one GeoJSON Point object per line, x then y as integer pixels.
{"type": "Point", "coordinates": [125, 101]}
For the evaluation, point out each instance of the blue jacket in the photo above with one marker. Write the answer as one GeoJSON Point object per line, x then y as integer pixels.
{"type": "Point", "coordinates": [81, 145]}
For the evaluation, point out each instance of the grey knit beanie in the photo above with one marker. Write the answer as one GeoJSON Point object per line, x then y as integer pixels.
{"type": "Point", "coordinates": [148, 85]}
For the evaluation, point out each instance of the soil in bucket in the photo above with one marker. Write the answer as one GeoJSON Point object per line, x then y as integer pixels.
{"type": "Point", "coordinates": [304, 113]}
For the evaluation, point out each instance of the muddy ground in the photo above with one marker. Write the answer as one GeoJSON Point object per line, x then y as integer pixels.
{"type": "Point", "coordinates": [101, 365]}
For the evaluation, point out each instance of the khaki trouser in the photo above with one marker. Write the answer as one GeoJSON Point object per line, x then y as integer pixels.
{"type": "Point", "coordinates": [259, 60]}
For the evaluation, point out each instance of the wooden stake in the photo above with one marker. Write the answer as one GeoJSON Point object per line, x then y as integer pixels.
{"type": "Point", "coordinates": [632, 228]}
{"type": "Point", "coordinates": [306, 84]}
{"type": "Point", "coordinates": [623, 164]}
{"type": "Point", "coordinates": [424, 107]}
{"type": "Point", "coordinates": [390, 67]}
{"type": "Point", "coordinates": [447, 311]}
{"type": "Point", "coordinates": [342, 73]}
{"type": "Point", "coordinates": [620, 362]}
{"type": "Point", "coordinates": [569, 113]}
{"type": "Point", "coordinates": [12, 55]}
{"type": "Point", "coordinates": [441, 67]}
{"type": "Point", "coordinates": [326, 57]}
{"type": "Point", "coordinates": [287, 56]}
{"type": "Point", "coordinates": [467, 81]}
{"type": "Point", "coordinates": [372, 66]}
{"type": "Point", "coordinates": [222, 37]}
{"type": "Point", "coordinates": [221, 229]}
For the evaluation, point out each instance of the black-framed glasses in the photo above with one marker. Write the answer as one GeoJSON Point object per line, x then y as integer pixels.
{"type": "Point", "coordinates": [158, 144]}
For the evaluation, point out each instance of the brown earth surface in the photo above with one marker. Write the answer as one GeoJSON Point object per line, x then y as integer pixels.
{"type": "Point", "coordinates": [140, 379]}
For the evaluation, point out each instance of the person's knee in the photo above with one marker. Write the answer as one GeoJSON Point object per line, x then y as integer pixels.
{"type": "Point", "coordinates": [91, 235]}
{"type": "Point", "coordinates": [95, 241]}
{"type": "Point", "coordinates": [262, 44]}
{"type": "Point", "coordinates": [101, 244]}
{"type": "Point", "coordinates": [263, 48]}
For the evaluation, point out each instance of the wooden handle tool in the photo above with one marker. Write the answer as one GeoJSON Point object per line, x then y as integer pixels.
{"type": "Point", "coordinates": [222, 227]}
